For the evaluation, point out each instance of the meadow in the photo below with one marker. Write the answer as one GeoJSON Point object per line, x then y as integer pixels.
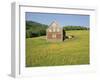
{"type": "Point", "coordinates": [75, 51]}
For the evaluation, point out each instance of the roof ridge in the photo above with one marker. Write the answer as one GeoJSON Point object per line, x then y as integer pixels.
{"type": "Point", "coordinates": [57, 24]}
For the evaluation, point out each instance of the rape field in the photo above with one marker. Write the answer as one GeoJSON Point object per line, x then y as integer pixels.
{"type": "Point", "coordinates": [73, 51]}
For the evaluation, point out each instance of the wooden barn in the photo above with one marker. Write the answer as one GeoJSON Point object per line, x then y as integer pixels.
{"type": "Point", "coordinates": [54, 32]}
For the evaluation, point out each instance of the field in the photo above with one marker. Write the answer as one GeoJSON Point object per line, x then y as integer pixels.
{"type": "Point", "coordinates": [73, 51]}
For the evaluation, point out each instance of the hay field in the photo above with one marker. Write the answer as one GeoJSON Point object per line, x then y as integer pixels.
{"type": "Point", "coordinates": [74, 51]}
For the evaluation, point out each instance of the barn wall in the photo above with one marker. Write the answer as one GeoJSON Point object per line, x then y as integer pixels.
{"type": "Point", "coordinates": [58, 36]}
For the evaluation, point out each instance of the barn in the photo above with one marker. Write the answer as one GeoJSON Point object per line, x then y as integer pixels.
{"type": "Point", "coordinates": [54, 32]}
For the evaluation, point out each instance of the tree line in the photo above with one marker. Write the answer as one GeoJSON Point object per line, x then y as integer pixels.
{"type": "Point", "coordinates": [35, 29]}
{"type": "Point", "coordinates": [75, 28]}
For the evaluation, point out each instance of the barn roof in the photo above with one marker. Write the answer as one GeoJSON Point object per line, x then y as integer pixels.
{"type": "Point", "coordinates": [54, 24]}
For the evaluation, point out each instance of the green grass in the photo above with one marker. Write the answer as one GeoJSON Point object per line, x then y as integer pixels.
{"type": "Point", "coordinates": [74, 51]}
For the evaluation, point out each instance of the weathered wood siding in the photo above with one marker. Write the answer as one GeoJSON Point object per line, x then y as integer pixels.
{"type": "Point", "coordinates": [54, 32]}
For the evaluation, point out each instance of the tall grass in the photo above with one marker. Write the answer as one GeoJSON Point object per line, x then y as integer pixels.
{"type": "Point", "coordinates": [74, 51]}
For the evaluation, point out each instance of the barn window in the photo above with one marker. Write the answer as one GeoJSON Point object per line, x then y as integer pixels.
{"type": "Point", "coordinates": [58, 30]}
{"type": "Point", "coordinates": [53, 35]}
{"type": "Point", "coordinates": [50, 30]}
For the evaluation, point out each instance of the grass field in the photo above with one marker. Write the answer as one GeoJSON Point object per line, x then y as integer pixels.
{"type": "Point", "coordinates": [74, 51]}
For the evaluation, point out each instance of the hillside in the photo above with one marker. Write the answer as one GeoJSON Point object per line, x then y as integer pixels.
{"type": "Point", "coordinates": [34, 29]}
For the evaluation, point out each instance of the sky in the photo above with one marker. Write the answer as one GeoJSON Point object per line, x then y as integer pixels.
{"type": "Point", "coordinates": [62, 19]}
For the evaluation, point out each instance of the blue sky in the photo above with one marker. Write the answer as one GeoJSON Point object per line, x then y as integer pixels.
{"type": "Point", "coordinates": [62, 19]}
